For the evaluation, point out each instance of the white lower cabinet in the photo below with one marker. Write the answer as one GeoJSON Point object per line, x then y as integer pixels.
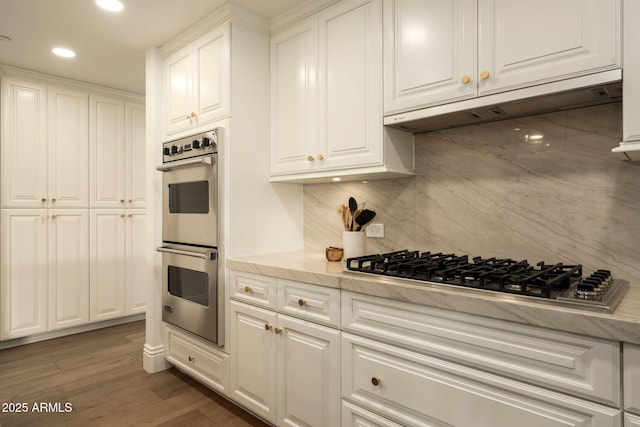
{"type": "Point", "coordinates": [284, 369]}
{"type": "Point", "coordinates": [417, 390]}
{"type": "Point", "coordinates": [45, 275]}
{"type": "Point", "coordinates": [197, 358]}
{"type": "Point", "coordinates": [117, 263]}
{"type": "Point", "coordinates": [631, 420]}
{"type": "Point", "coordinates": [631, 358]}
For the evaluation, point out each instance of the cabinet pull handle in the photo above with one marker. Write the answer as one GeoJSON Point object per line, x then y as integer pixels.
{"type": "Point", "coordinates": [247, 289]}
{"type": "Point", "coordinates": [121, 200]}
{"type": "Point", "coordinates": [191, 359]}
{"type": "Point", "coordinates": [310, 158]}
{"type": "Point", "coordinates": [465, 79]}
{"type": "Point", "coordinates": [375, 381]}
{"type": "Point", "coordinates": [54, 216]}
{"type": "Point", "coordinates": [302, 302]}
{"type": "Point", "coordinates": [194, 115]}
{"type": "Point", "coordinates": [268, 327]}
{"type": "Point", "coordinates": [484, 75]}
{"type": "Point", "coordinates": [43, 217]}
{"type": "Point", "coordinates": [320, 157]}
{"type": "Point", "coordinates": [277, 330]}
{"type": "Point", "coordinates": [130, 201]}
{"type": "Point", "coordinates": [43, 200]}
{"type": "Point", "coordinates": [121, 215]}
{"type": "Point", "coordinates": [188, 116]}
{"type": "Point", "coordinates": [53, 200]}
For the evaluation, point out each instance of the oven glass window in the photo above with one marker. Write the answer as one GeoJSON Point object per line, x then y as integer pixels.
{"type": "Point", "coordinates": [189, 197]}
{"type": "Point", "coordinates": [189, 284]}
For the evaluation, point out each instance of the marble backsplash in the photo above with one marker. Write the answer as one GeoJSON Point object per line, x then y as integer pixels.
{"type": "Point", "coordinates": [542, 187]}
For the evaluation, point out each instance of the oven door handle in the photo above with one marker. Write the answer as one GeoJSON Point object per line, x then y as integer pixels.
{"type": "Point", "coordinates": [208, 255]}
{"type": "Point", "coordinates": [208, 160]}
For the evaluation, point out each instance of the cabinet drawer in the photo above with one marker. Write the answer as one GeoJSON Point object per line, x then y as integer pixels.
{"type": "Point", "coordinates": [315, 303]}
{"type": "Point", "coordinates": [416, 390]}
{"type": "Point", "coordinates": [585, 367]}
{"type": "Point", "coordinates": [632, 378]}
{"type": "Point", "coordinates": [253, 288]}
{"type": "Point", "coordinates": [355, 416]}
{"type": "Point", "coordinates": [206, 363]}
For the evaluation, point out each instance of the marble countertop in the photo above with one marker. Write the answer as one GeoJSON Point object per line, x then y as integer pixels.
{"type": "Point", "coordinates": [621, 325]}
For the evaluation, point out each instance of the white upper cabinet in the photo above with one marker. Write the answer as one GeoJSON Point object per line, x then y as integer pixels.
{"type": "Point", "coordinates": [24, 144]}
{"type": "Point", "coordinates": [522, 43]}
{"type": "Point", "coordinates": [326, 98]}
{"type": "Point", "coordinates": [45, 149]}
{"type": "Point", "coordinates": [430, 51]}
{"type": "Point", "coordinates": [294, 97]}
{"type": "Point", "coordinates": [68, 148]}
{"type": "Point", "coordinates": [117, 138]}
{"type": "Point", "coordinates": [442, 51]}
{"type": "Point", "coordinates": [350, 78]}
{"type": "Point", "coordinates": [197, 79]}
{"type": "Point", "coordinates": [135, 155]}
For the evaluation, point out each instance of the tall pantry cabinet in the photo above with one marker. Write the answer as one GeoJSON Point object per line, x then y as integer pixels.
{"type": "Point", "coordinates": [46, 210]}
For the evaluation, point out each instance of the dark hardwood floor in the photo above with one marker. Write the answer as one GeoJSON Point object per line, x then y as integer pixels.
{"type": "Point", "coordinates": [98, 375]}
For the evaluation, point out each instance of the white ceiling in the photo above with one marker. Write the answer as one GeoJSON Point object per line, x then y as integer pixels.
{"type": "Point", "coordinates": [110, 47]}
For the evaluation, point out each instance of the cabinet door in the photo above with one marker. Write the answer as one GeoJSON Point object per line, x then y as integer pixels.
{"type": "Point", "coordinates": [107, 147]}
{"type": "Point", "coordinates": [68, 268]}
{"type": "Point", "coordinates": [253, 359]}
{"type": "Point", "coordinates": [522, 43]}
{"type": "Point", "coordinates": [24, 144]}
{"type": "Point", "coordinates": [135, 158]}
{"type": "Point", "coordinates": [430, 46]}
{"type": "Point", "coordinates": [107, 264]}
{"type": "Point", "coordinates": [308, 373]}
{"type": "Point", "coordinates": [177, 71]}
{"type": "Point", "coordinates": [350, 84]}
{"type": "Point", "coordinates": [632, 378]}
{"type": "Point", "coordinates": [294, 98]}
{"type": "Point", "coordinates": [24, 273]}
{"type": "Point", "coordinates": [136, 265]}
{"type": "Point", "coordinates": [211, 81]}
{"type": "Point", "coordinates": [68, 148]}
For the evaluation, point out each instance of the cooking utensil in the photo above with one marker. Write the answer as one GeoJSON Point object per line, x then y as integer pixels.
{"type": "Point", "coordinates": [353, 207]}
{"type": "Point", "coordinates": [364, 218]}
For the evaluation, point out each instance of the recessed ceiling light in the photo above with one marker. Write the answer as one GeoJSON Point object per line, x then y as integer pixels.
{"type": "Point", "coordinates": [110, 5]}
{"type": "Point", "coordinates": [63, 52]}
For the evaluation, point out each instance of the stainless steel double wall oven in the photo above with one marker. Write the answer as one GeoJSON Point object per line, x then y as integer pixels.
{"type": "Point", "coordinates": [193, 298]}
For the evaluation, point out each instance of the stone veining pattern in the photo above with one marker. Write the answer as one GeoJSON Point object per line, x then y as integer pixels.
{"type": "Point", "coordinates": [498, 189]}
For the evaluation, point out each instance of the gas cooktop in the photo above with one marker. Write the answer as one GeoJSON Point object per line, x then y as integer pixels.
{"type": "Point", "coordinates": [554, 283]}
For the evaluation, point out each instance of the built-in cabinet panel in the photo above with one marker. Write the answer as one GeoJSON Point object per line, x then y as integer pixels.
{"type": "Point", "coordinates": [631, 372]}
{"type": "Point", "coordinates": [197, 80]}
{"type": "Point", "coordinates": [631, 420]}
{"type": "Point", "coordinates": [68, 148]}
{"type": "Point", "coordinates": [442, 51]}
{"type": "Point", "coordinates": [45, 270]}
{"type": "Point", "coordinates": [253, 359]}
{"type": "Point", "coordinates": [294, 97]}
{"type": "Point", "coordinates": [430, 51]}
{"type": "Point", "coordinates": [415, 389]}
{"type": "Point", "coordinates": [107, 139]}
{"type": "Point", "coordinates": [118, 266]}
{"type": "Point", "coordinates": [197, 358]}
{"type": "Point", "coordinates": [24, 144]}
{"type": "Point", "coordinates": [24, 272]}
{"type": "Point", "coordinates": [285, 368]}
{"type": "Point", "coordinates": [135, 261]}
{"type": "Point", "coordinates": [68, 268]}
{"type": "Point", "coordinates": [135, 156]}
{"type": "Point", "coordinates": [326, 99]}
{"type": "Point", "coordinates": [108, 275]}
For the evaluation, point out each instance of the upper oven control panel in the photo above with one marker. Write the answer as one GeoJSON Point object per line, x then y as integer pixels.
{"type": "Point", "coordinates": [201, 144]}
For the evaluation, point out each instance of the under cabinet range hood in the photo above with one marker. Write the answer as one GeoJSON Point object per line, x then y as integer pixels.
{"type": "Point", "coordinates": [585, 91]}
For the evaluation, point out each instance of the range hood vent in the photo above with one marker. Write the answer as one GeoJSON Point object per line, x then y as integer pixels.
{"type": "Point", "coordinates": [518, 103]}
